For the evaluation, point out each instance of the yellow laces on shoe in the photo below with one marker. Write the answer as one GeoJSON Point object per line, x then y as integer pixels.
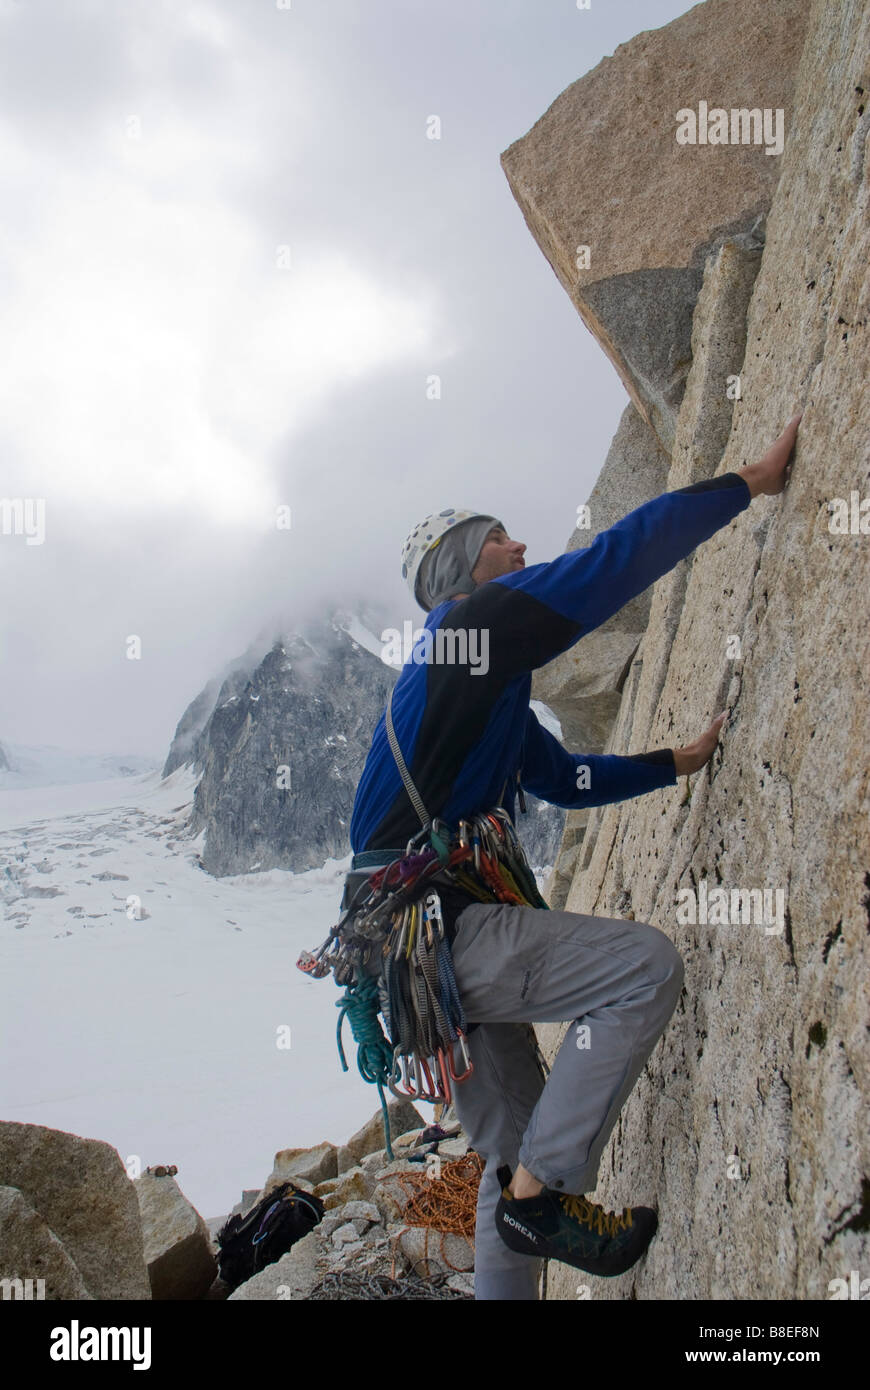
{"type": "Point", "coordinates": [591, 1214]}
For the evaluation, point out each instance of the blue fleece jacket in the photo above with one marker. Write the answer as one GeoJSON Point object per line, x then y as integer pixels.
{"type": "Point", "coordinates": [468, 737]}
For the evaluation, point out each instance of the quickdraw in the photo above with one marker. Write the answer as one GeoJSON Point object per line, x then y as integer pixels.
{"type": "Point", "coordinates": [424, 1005]}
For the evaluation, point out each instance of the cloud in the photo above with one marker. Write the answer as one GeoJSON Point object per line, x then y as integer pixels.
{"type": "Point", "coordinates": [159, 344]}
{"type": "Point", "coordinates": [166, 381]}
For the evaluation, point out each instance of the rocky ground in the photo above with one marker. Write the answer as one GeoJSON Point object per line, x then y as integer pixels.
{"type": "Point", "coordinates": [365, 1230]}
{"type": "Point", "coordinates": [74, 1225]}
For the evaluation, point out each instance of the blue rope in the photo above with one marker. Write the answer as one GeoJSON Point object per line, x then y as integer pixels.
{"type": "Point", "coordinates": [361, 1002]}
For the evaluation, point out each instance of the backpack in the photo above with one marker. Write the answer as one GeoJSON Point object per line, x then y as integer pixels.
{"type": "Point", "coordinates": [246, 1244]}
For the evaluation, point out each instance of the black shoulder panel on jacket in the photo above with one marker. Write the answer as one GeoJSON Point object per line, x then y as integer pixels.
{"type": "Point", "coordinates": [459, 704]}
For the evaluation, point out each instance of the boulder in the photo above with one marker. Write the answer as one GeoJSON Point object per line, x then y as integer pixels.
{"type": "Point", "coordinates": [450, 1149]}
{"type": "Point", "coordinates": [362, 1211]}
{"type": "Point", "coordinates": [294, 1165]}
{"type": "Point", "coordinates": [373, 1162]}
{"type": "Point", "coordinates": [177, 1242]}
{"type": "Point", "coordinates": [603, 169]}
{"type": "Point", "coordinates": [291, 1278]}
{"type": "Point", "coordinates": [355, 1185]}
{"type": "Point", "coordinates": [250, 1198]}
{"type": "Point", "coordinates": [406, 1141]}
{"type": "Point", "coordinates": [462, 1283]}
{"type": "Point", "coordinates": [345, 1159]}
{"type": "Point", "coordinates": [80, 1189]}
{"type": "Point", "coordinates": [390, 1198]}
{"type": "Point", "coordinates": [345, 1235]}
{"type": "Point", "coordinates": [331, 1222]}
{"type": "Point", "coordinates": [347, 1256]}
{"type": "Point", "coordinates": [435, 1252]}
{"type": "Point", "coordinates": [370, 1137]}
{"type": "Point", "coordinates": [33, 1263]}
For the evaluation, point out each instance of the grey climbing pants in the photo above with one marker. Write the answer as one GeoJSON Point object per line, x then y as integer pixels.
{"type": "Point", "coordinates": [617, 982]}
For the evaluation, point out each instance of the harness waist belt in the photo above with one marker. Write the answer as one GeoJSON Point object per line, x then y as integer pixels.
{"type": "Point", "coordinates": [362, 866]}
{"type": "Point", "coordinates": [375, 858]}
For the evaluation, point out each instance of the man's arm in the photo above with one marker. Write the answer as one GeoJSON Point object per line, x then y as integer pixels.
{"type": "Point", "coordinates": [535, 614]}
{"type": "Point", "coordinates": [586, 587]}
{"type": "Point", "coordinates": [576, 780]}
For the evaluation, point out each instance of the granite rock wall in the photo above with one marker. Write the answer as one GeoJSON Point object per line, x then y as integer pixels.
{"type": "Point", "coordinates": [748, 1127]}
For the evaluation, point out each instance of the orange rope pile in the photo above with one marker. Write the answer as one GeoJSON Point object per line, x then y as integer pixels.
{"type": "Point", "coordinates": [447, 1204]}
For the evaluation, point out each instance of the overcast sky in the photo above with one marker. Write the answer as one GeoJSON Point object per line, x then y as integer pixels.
{"type": "Point", "coordinates": [230, 258]}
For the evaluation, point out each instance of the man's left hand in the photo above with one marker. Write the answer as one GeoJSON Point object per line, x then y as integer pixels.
{"type": "Point", "coordinates": [695, 755]}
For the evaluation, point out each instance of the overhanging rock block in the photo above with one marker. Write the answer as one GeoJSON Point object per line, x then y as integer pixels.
{"type": "Point", "coordinates": [603, 169]}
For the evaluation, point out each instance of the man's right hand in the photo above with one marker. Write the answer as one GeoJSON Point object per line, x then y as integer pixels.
{"type": "Point", "coordinates": [768, 475]}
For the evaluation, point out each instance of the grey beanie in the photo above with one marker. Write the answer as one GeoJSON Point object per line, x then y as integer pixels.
{"type": "Point", "coordinates": [446, 570]}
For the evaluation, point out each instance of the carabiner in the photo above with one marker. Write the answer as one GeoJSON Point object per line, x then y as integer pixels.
{"type": "Point", "coordinates": [399, 943]}
{"type": "Point", "coordinates": [493, 820]}
{"type": "Point", "coordinates": [417, 839]}
{"type": "Point", "coordinates": [445, 1078]}
{"type": "Point", "coordinates": [427, 922]}
{"type": "Point", "coordinates": [469, 1065]}
{"type": "Point", "coordinates": [395, 1077]}
{"type": "Point", "coordinates": [412, 930]}
{"type": "Point", "coordinates": [405, 1072]}
{"type": "Point", "coordinates": [433, 1093]}
{"type": "Point", "coordinates": [394, 1090]}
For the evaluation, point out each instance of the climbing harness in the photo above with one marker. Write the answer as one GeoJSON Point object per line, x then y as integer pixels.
{"type": "Point", "coordinates": [390, 946]}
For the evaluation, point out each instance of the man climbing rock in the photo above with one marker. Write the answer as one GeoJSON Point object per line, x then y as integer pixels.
{"type": "Point", "coordinates": [470, 742]}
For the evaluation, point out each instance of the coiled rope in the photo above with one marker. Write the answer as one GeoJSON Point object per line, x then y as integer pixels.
{"type": "Point", "coordinates": [361, 1002]}
{"type": "Point", "coordinates": [446, 1204]}
{"type": "Point", "coordinates": [351, 1285]}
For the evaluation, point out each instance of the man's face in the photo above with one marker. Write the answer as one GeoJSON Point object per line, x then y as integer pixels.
{"type": "Point", "coordinates": [500, 555]}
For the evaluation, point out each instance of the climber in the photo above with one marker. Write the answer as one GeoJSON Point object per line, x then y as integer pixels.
{"type": "Point", "coordinates": [471, 742]}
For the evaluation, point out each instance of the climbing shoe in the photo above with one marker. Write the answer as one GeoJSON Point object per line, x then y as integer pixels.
{"type": "Point", "coordinates": [567, 1227]}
